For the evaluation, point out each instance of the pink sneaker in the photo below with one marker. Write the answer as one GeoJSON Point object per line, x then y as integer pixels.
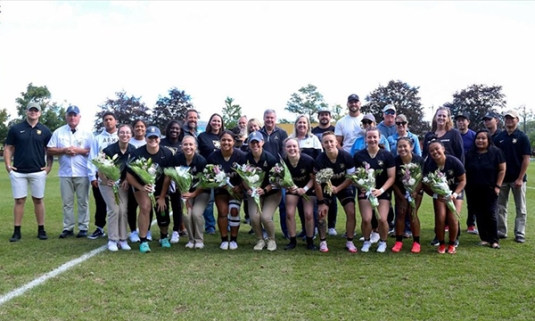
{"type": "Point", "coordinates": [415, 247]}
{"type": "Point", "coordinates": [397, 247]}
{"type": "Point", "coordinates": [442, 248]}
{"type": "Point", "coordinates": [323, 247]}
{"type": "Point", "coordinates": [351, 247]}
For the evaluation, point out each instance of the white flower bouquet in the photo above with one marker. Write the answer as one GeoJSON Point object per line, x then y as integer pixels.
{"type": "Point", "coordinates": [324, 176]}
{"type": "Point", "coordinates": [214, 177]}
{"type": "Point", "coordinates": [411, 178]}
{"type": "Point", "coordinates": [364, 177]}
{"type": "Point", "coordinates": [148, 172]}
{"type": "Point", "coordinates": [252, 178]}
{"type": "Point", "coordinates": [280, 176]}
{"type": "Point", "coordinates": [439, 185]}
{"type": "Point", "coordinates": [109, 168]}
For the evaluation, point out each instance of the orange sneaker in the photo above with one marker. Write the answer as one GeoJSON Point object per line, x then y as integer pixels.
{"type": "Point", "coordinates": [442, 248]}
{"type": "Point", "coordinates": [397, 247]}
{"type": "Point", "coordinates": [415, 247]}
{"type": "Point", "coordinates": [451, 249]}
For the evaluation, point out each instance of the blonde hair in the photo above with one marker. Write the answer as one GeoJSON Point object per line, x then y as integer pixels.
{"type": "Point", "coordinates": [449, 122]}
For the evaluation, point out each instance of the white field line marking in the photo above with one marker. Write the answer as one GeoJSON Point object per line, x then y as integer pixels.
{"type": "Point", "coordinates": [45, 277]}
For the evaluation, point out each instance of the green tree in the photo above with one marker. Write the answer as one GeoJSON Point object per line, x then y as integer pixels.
{"type": "Point", "coordinates": [526, 115]}
{"type": "Point", "coordinates": [307, 101]}
{"type": "Point", "coordinates": [405, 98]}
{"type": "Point", "coordinates": [477, 100]}
{"type": "Point", "coordinates": [231, 113]}
{"type": "Point", "coordinates": [126, 109]}
{"type": "Point", "coordinates": [171, 107]}
{"type": "Point", "coordinates": [338, 112]}
{"type": "Point", "coordinates": [4, 117]}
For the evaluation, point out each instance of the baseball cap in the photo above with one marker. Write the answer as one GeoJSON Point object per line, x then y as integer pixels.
{"type": "Point", "coordinates": [153, 131]}
{"type": "Point", "coordinates": [389, 107]}
{"type": "Point", "coordinates": [511, 113]}
{"type": "Point", "coordinates": [353, 97]}
{"type": "Point", "coordinates": [73, 110]}
{"type": "Point", "coordinates": [324, 110]}
{"type": "Point", "coordinates": [369, 117]}
{"type": "Point", "coordinates": [490, 115]}
{"type": "Point", "coordinates": [255, 136]}
{"type": "Point", "coordinates": [462, 114]}
{"type": "Point", "coordinates": [33, 105]}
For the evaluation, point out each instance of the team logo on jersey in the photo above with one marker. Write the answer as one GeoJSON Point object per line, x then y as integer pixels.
{"type": "Point", "coordinates": [303, 170]}
{"type": "Point", "coordinates": [450, 172]}
{"type": "Point", "coordinates": [39, 133]}
{"type": "Point", "coordinates": [514, 140]}
{"type": "Point", "coordinates": [265, 164]}
{"type": "Point", "coordinates": [217, 144]}
{"type": "Point", "coordinates": [380, 162]}
{"type": "Point", "coordinates": [342, 166]}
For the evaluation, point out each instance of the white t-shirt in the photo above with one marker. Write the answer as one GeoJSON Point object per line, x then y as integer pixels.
{"type": "Point", "coordinates": [349, 128]}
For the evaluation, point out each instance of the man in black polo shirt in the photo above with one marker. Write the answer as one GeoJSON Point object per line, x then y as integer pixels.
{"type": "Point", "coordinates": [26, 143]}
{"type": "Point", "coordinates": [491, 120]}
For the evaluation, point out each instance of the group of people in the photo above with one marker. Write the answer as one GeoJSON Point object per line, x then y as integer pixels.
{"type": "Point", "coordinates": [486, 164]}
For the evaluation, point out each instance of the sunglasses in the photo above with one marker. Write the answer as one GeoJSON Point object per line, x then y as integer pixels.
{"type": "Point", "coordinates": [390, 112]}
{"type": "Point", "coordinates": [367, 122]}
{"type": "Point", "coordinates": [401, 123]}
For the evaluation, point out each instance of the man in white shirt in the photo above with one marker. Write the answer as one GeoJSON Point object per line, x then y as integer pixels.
{"type": "Point", "coordinates": [71, 145]}
{"type": "Point", "coordinates": [348, 128]}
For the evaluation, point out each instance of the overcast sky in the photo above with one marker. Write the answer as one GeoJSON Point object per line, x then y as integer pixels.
{"type": "Point", "coordinates": [259, 53]}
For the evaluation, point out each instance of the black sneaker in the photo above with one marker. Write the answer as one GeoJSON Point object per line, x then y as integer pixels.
{"type": "Point", "coordinates": [520, 239]}
{"type": "Point", "coordinates": [15, 238]}
{"type": "Point", "coordinates": [98, 233]}
{"type": "Point", "coordinates": [42, 235]}
{"type": "Point", "coordinates": [311, 247]}
{"type": "Point", "coordinates": [290, 246]}
{"type": "Point", "coordinates": [65, 234]}
{"type": "Point", "coordinates": [82, 233]}
{"type": "Point", "coordinates": [435, 242]}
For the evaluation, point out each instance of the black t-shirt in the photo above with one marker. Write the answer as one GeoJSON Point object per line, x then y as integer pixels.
{"type": "Point", "coordinates": [342, 165]}
{"type": "Point", "coordinates": [382, 161]}
{"type": "Point", "coordinates": [164, 158]}
{"type": "Point", "coordinates": [482, 168]}
{"type": "Point", "coordinates": [399, 176]}
{"type": "Point", "coordinates": [266, 162]}
{"type": "Point", "coordinates": [173, 147]}
{"type": "Point", "coordinates": [514, 147]}
{"type": "Point", "coordinates": [197, 165]}
{"type": "Point", "coordinates": [453, 168]}
{"type": "Point", "coordinates": [208, 143]}
{"type": "Point", "coordinates": [217, 158]}
{"type": "Point", "coordinates": [30, 146]}
{"type": "Point", "coordinates": [301, 172]}
{"type": "Point", "coordinates": [452, 141]}
{"type": "Point", "coordinates": [121, 159]}
{"type": "Point", "coordinates": [318, 131]}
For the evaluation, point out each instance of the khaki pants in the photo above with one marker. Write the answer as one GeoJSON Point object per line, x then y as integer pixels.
{"type": "Point", "coordinates": [265, 217]}
{"type": "Point", "coordinates": [68, 187]}
{"type": "Point", "coordinates": [117, 213]}
{"type": "Point", "coordinates": [194, 220]}
{"type": "Point", "coordinates": [519, 196]}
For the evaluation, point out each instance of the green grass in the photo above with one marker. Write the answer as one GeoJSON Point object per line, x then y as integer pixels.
{"type": "Point", "coordinates": [475, 284]}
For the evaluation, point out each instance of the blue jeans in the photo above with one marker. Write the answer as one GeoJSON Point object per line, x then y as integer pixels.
{"type": "Point", "coordinates": [209, 220]}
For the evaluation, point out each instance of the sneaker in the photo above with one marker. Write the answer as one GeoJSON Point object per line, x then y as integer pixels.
{"type": "Point", "coordinates": [451, 249]}
{"type": "Point", "coordinates": [98, 233]}
{"type": "Point", "coordinates": [290, 246]}
{"type": "Point", "coordinates": [134, 237]}
{"type": "Point", "coordinates": [374, 238]}
{"type": "Point", "coordinates": [224, 245]}
{"type": "Point", "coordinates": [149, 236]}
{"type": "Point", "coordinates": [182, 233]}
{"type": "Point", "coordinates": [42, 235]}
{"type": "Point", "coordinates": [435, 242]}
{"type": "Point", "coordinates": [361, 239]}
{"type": "Point", "coordinates": [199, 245]}
{"type": "Point", "coordinates": [190, 245]}
{"type": "Point", "coordinates": [144, 247]}
{"type": "Point", "coordinates": [415, 247]}
{"type": "Point", "coordinates": [311, 247]}
{"type": "Point", "coordinates": [112, 246]}
{"type": "Point", "coordinates": [441, 248]}
{"type": "Point", "coordinates": [397, 247]}
{"type": "Point", "coordinates": [351, 247]}
{"type": "Point", "coordinates": [81, 234]}
{"type": "Point", "coordinates": [407, 235]}
{"type": "Point", "coordinates": [366, 246]}
{"type": "Point", "coordinates": [233, 245]}
{"type": "Point", "coordinates": [382, 247]}
{"type": "Point", "coordinates": [302, 234]}
{"type": "Point", "coordinates": [175, 237]}
{"type": "Point", "coordinates": [391, 231]}
{"type": "Point", "coordinates": [271, 245]}
{"type": "Point", "coordinates": [332, 232]}
{"type": "Point", "coordinates": [15, 237]}
{"type": "Point", "coordinates": [472, 230]}
{"type": "Point", "coordinates": [520, 239]}
{"type": "Point", "coordinates": [66, 233]}
{"type": "Point", "coordinates": [456, 243]}
{"type": "Point", "coordinates": [123, 245]}
{"type": "Point", "coordinates": [165, 243]}
{"type": "Point", "coordinates": [260, 245]}
{"type": "Point", "coordinates": [323, 247]}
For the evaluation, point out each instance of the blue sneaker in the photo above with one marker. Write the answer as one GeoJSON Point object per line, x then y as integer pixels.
{"type": "Point", "coordinates": [144, 247]}
{"type": "Point", "coordinates": [165, 243]}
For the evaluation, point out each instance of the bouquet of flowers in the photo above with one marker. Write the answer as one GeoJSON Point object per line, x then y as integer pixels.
{"type": "Point", "coordinates": [364, 177]}
{"type": "Point", "coordinates": [214, 177]}
{"type": "Point", "coordinates": [252, 177]}
{"type": "Point", "coordinates": [412, 176]}
{"type": "Point", "coordinates": [110, 169]}
{"type": "Point", "coordinates": [324, 176]}
{"type": "Point", "coordinates": [280, 176]}
{"type": "Point", "coordinates": [182, 178]}
{"type": "Point", "coordinates": [148, 172]}
{"type": "Point", "coordinates": [439, 185]}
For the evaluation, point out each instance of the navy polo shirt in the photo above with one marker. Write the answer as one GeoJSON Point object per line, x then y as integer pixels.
{"type": "Point", "coordinates": [514, 147]}
{"type": "Point", "coordinates": [30, 146]}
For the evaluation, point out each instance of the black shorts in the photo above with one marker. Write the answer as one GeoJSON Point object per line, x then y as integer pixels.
{"type": "Point", "coordinates": [345, 196]}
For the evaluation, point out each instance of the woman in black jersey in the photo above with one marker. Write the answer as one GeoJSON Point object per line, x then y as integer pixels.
{"type": "Point", "coordinates": [453, 169]}
{"type": "Point", "coordinates": [269, 196]}
{"type": "Point", "coordinates": [378, 159]}
{"type": "Point", "coordinates": [209, 139]}
{"type": "Point", "coordinates": [341, 163]}
{"type": "Point", "coordinates": [228, 206]}
{"type": "Point", "coordinates": [301, 167]}
{"type": "Point", "coordinates": [196, 198]}
{"type": "Point", "coordinates": [405, 155]}
{"type": "Point", "coordinates": [162, 157]}
{"type": "Point", "coordinates": [442, 129]}
{"type": "Point", "coordinates": [485, 170]}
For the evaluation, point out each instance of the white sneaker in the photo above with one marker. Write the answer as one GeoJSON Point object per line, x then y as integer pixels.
{"type": "Point", "coordinates": [199, 245]}
{"type": "Point", "coordinates": [134, 237]}
{"type": "Point", "coordinates": [366, 247]}
{"type": "Point", "coordinates": [112, 246]}
{"type": "Point", "coordinates": [175, 237]}
{"type": "Point", "coordinates": [271, 245]}
{"type": "Point", "coordinates": [190, 245]}
{"type": "Point", "coordinates": [332, 232]}
{"type": "Point", "coordinates": [233, 245]}
{"type": "Point", "coordinates": [361, 239]}
{"type": "Point", "coordinates": [382, 247]}
{"type": "Point", "coordinates": [374, 238]}
{"type": "Point", "coordinates": [224, 245]}
{"type": "Point", "coordinates": [123, 245]}
{"type": "Point", "coordinates": [149, 236]}
{"type": "Point", "coordinates": [260, 245]}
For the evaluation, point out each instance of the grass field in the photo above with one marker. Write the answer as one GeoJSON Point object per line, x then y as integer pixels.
{"type": "Point", "coordinates": [475, 284]}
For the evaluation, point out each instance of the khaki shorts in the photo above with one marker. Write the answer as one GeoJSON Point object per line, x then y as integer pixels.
{"type": "Point", "coordinates": [20, 181]}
